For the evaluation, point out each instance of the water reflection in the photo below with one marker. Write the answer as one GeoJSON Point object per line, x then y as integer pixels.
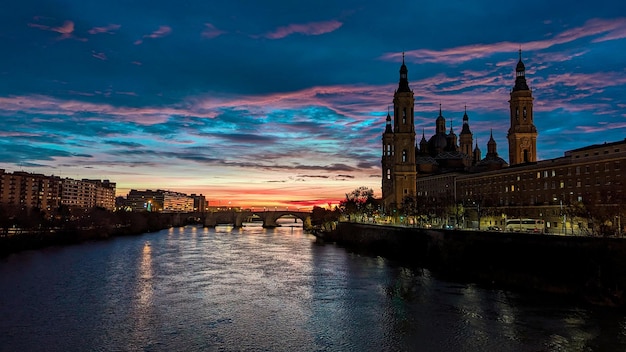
{"type": "Point", "coordinates": [226, 289]}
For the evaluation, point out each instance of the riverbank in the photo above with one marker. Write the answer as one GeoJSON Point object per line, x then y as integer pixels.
{"type": "Point", "coordinates": [588, 268]}
{"type": "Point", "coordinates": [106, 226]}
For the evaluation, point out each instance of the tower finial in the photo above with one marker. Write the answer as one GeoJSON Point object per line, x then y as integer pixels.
{"type": "Point", "coordinates": [520, 52]}
{"type": "Point", "coordinates": [403, 57]}
{"type": "Point", "coordinates": [439, 109]}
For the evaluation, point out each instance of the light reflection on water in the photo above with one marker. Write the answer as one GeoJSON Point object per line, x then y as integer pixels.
{"type": "Point", "coordinates": [226, 289]}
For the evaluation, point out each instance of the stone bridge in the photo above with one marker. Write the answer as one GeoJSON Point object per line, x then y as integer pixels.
{"type": "Point", "coordinates": [237, 218]}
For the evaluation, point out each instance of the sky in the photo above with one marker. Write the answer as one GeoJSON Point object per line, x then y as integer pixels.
{"type": "Point", "coordinates": [283, 103]}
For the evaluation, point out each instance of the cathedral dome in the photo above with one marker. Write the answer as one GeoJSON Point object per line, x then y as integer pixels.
{"type": "Point", "coordinates": [438, 142]}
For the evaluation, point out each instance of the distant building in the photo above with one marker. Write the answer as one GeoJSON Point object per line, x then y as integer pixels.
{"type": "Point", "coordinates": [440, 171]}
{"type": "Point", "coordinates": [159, 201]}
{"type": "Point", "coordinates": [200, 203]}
{"type": "Point", "coordinates": [27, 190]}
{"type": "Point", "coordinates": [147, 200]}
{"type": "Point", "coordinates": [24, 190]}
{"type": "Point", "coordinates": [105, 193]}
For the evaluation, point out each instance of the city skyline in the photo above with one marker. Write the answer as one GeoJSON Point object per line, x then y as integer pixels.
{"type": "Point", "coordinates": [285, 103]}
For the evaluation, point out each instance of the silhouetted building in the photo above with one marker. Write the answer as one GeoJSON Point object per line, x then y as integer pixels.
{"type": "Point", "coordinates": [446, 170]}
{"type": "Point", "coordinates": [200, 203]}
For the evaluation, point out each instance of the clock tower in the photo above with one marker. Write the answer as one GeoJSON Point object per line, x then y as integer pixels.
{"type": "Point", "coordinates": [522, 134]}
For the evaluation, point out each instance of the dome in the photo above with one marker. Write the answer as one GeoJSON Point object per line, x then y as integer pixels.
{"type": "Point", "coordinates": [438, 142]}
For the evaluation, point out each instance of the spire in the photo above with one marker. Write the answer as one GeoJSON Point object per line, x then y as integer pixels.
{"type": "Point", "coordinates": [403, 85]}
{"type": "Point", "coordinates": [440, 123]}
{"type": "Point", "coordinates": [477, 153]}
{"type": "Point", "coordinates": [491, 145]}
{"type": "Point", "coordinates": [465, 129]}
{"type": "Point", "coordinates": [388, 127]}
{"type": "Point", "coordinates": [423, 143]}
{"type": "Point", "coordinates": [520, 75]}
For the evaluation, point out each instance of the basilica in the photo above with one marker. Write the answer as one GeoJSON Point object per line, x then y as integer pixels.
{"type": "Point", "coordinates": [404, 160]}
{"type": "Point", "coordinates": [450, 169]}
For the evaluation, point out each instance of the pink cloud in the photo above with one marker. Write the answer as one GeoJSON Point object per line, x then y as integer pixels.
{"type": "Point", "coordinates": [159, 33]}
{"type": "Point", "coordinates": [110, 29]}
{"type": "Point", "coordinates": [609, 29]}
{"type": "Point", "coordinates": [210, 31]}
{"type": "Point", "coordinates": [312, 28]}
{"type": "Point", "coordinates": [66, 29]}
{"type": "Point", "coordinates": [50, 106]}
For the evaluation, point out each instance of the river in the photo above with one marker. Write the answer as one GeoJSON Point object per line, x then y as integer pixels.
{"type": "Point", "coordinates": [255, 289]}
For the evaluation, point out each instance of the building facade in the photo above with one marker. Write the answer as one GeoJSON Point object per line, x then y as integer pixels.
{"type": "Point", "coordinates": [160, 201]}
{"type": "Point", "coordinates": [22, 190]}
{"type": "Point", "coordinates": [577, 193]}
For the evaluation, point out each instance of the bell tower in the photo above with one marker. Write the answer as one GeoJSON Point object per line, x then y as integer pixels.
{"type": "Point", "coordinates": [404, 173]}
{"type": "Point", "coordinates": [522, 134]}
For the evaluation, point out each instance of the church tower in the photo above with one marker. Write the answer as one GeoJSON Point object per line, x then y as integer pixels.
{"type": "Point", "coordinates": [404, 169]}
{"type": "Point", "coordinates": [522, 134]}
{"type": "Point", "coordinates": [466, 139]}
{"type": "Point", "coordinates": [388, 162]}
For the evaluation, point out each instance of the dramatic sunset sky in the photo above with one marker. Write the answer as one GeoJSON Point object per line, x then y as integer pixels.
{"type": "Point", "coordinates": [282, 102]}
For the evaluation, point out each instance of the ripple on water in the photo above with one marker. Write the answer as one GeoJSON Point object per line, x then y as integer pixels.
{"type": "Point", "coordinates": [225, 289]}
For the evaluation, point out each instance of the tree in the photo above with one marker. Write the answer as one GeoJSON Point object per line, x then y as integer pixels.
{"type": "Point", "coordinates": [409, 206]}
{"type": "Point", "coordinates": [360, 201]}
{"type": "Point", "coordinates": [324, 218]}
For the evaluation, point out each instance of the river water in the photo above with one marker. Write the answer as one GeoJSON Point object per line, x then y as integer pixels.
{"type": "Point", "coordinates": [255, 289]}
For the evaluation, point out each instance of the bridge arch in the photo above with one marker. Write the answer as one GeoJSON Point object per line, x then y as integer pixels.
{"type": "Point", "coordinates": [237, 218]}
{"type": "Point", "coordinates": [270, 217]}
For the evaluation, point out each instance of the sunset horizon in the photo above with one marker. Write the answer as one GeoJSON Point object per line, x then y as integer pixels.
{"type": "Point", "coordinates": [284, 105]}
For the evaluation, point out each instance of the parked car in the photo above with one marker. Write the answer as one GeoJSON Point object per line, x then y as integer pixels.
{"type": "Point", "coordinates": [494, 228]}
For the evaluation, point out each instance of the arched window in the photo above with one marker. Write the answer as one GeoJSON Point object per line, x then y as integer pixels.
{"type": "Point", "coordinates": [404, 156]}
{"type": "Point", "coordinates": [389, 174]}
{"type": "Point", "coordinates": [403, 115]}
{"type": "Point", "coordinates": [524, 113]}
